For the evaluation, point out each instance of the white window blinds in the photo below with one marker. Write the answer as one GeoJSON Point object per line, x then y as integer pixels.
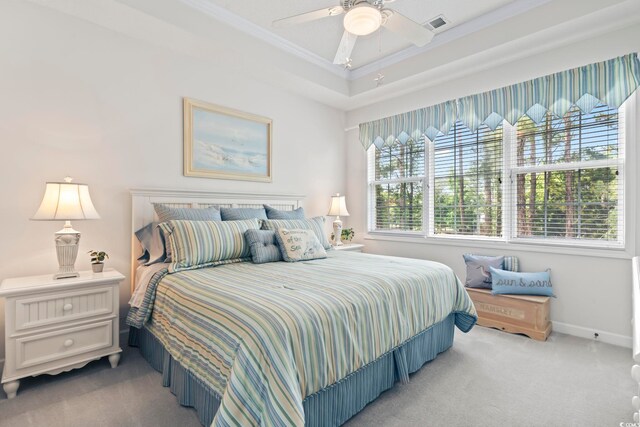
{"type": "Point", "coordinates": [567, 176]}
{"type": "Point", "coordinates": [557, 181]}
{"type": "Point", "coordinates": [467, 182]}
{"type": "Point", "coordinates": [396, 186]}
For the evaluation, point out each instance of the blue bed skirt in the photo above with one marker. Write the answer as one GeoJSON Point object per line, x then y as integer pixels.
{"type": "Point", "coordinates": [331, 406]}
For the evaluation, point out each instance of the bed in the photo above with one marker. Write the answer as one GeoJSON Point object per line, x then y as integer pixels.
{"type": "Point", "coordinates": [290, 344]}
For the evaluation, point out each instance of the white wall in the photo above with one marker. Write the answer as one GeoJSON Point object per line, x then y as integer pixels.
{"type": "Point", "coordinates": [77, 99]}
{"type": "Point", "coordinates": [593, 292]}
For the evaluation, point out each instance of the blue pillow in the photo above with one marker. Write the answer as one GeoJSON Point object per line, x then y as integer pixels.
{"type": "Point", "coordinates": [273, 213]}
{"type": "Point", "coordinates": [509, 282]}
{"type": "Point", "coordinates": [263, 246]}
{"type": "Point", "coordinates": [236, 214]}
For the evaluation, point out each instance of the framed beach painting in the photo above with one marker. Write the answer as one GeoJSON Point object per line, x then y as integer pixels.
{"type": "Point", "coordinates": [226, 144]}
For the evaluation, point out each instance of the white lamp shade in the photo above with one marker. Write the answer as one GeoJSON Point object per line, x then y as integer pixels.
{"type": "Point", "coordinates": [66, 201]}
{"type": "Point", "coordinates": [338, 206]}
{"type": "Point", "coordinates": [362, 19]}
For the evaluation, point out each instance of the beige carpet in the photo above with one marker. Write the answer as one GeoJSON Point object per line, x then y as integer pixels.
{"type": "Point", "coordinates": [488, 378]}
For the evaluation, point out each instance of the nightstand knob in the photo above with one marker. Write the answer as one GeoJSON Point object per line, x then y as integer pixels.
{"type": "Point", "coordinates": [67, 307]}
{"type": "Point", "coordinates": [68, 343]}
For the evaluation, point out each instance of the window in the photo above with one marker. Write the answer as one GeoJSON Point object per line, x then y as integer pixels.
{"type": "Point", "coordinates": [567, 176]}
{"type": "Point", "coordinates": [396, 180]}
{"type": "Point", "coordinates": [467, 182]}
{"type": "Point", "coordinates": [557, 181]}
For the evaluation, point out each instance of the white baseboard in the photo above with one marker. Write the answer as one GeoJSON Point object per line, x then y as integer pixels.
{"type": "Point", "coordinates": [582, 332]}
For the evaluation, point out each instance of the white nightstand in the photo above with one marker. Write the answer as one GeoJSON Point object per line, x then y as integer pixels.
{"type": "Point", "coordinates": [53, 326]}
{"type": "Point", "coordinates": [354, 247]}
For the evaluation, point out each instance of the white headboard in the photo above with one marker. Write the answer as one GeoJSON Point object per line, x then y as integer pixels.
{"type": "Point", "coordinates": [142, 212]}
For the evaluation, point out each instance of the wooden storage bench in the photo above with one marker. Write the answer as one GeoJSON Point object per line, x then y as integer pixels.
{"type": "Point", "coordinates": [519, 314]}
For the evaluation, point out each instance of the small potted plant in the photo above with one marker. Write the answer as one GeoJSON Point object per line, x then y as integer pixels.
{"type": "Point", "coordinates": [346, 235]}
{"type": "Point", "coordinates": [97, 260]}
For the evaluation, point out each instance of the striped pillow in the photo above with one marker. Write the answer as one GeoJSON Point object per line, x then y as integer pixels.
{"type": "Point", "coordinates": [197, 244]}
{"type": "Point", "coordinates": [316, 224]}
{"type": "Point", "coordinates": [510, 263]}
{"type": "Point", "coordinates": [167, 213]}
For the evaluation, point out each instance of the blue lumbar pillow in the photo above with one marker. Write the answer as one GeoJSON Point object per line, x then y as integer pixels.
{"type": "Point", "coordinates": [509, 282]}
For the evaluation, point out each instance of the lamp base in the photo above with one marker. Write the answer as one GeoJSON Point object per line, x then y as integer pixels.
{"type": "Point", "coordinates": [67, 241]}
{"type": "Point", "coordinates": [337, 232]}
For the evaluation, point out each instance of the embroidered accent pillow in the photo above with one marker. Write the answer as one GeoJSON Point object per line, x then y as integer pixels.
{"type": "Point", "coordinates": [508, 282]}
{"type": "Point", "coordinates": [273, 213]}
{"type": "Point", "coordinates": [236, 214]}
{"type": "Point", "coordinates": [315, 224]}
{"type": "Point", "coordinates": [478, 273]}
{"type": "Point", "coordinates": [263, 246]}
{"type": "Point", "coordinates": [197, 244]}
{"type": "Point", "coordinates": [299, 245]}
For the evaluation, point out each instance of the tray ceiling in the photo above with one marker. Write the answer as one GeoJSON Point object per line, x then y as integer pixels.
{"type": "Point", "coordinates": [300, 59]}
{"type": "Point", "coordinates": [322, 37]}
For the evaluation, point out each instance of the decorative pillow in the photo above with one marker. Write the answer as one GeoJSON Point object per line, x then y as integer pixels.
{"type": "Point", "coordinates": [167, 213]}
{"type": "Point", "coordinates": [152, 242]}
{"type": "Point", "coordinates": [315, 224]}
{"type": "Point", "coordinates": [197, 244]}
{"type": "Point", "coordinates": [235, 214]}
{"type": "Point", "coordinates": [273, 213]}
{"type": "Point", "coordinates": [510, 263]}
{"type": "Point", "coordinates": [263, 246]}
{"type": "Point", "coordinates": [478, 273]}
{"type": "Point", "coordinates": [299, 245]}
{"type": "Point", "coordinates": [509, 282]}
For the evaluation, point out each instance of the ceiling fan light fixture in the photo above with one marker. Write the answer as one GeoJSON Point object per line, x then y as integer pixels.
{"type": "Point", "coordinates": [362, 20]}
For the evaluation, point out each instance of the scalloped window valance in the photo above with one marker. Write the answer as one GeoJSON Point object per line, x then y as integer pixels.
{"type": "Point", "coordinates": [609, 82]}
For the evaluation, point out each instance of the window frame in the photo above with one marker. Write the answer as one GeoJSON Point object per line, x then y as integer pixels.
{"type": "Point", "coordinates": [628, 133]}
{"type": "Point", "coordinates": [371, 186]}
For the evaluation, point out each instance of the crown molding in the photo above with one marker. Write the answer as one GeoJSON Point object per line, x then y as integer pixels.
{"type": "Point", "coordinates": [239, 23]}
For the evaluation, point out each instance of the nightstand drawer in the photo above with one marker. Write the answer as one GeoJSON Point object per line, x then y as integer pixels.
{"type": "Point", "coordinates": [62, 344]}
{"type": "Point", "coordinates": [49, 309]}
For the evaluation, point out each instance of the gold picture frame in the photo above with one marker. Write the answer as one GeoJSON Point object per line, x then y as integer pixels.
{"type": "Point", "coordinates": [223, 143]}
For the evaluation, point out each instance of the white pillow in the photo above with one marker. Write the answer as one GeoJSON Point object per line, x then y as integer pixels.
{"type": "Point", "coordinates": [299, 245]}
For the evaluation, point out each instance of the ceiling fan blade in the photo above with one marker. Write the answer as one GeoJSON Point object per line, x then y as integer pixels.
{"type": "Point", "coordinates": [410, 30]}
{"type": "Point", "coordinates": [345, 48]}
{"type": "Point", "coordinates": [308, 16]}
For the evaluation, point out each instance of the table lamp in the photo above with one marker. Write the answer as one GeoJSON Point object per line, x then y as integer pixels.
{"type": "Point", "coordinates": [338, 207]}
{"type": "Point", "coordinates": [66, 201]}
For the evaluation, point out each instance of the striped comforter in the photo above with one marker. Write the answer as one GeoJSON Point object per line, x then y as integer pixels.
{"type": "Point", "coordinates": [266, 336]}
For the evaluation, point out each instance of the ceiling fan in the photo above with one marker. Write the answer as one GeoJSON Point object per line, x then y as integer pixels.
{"type": "Point", "coordinates": [363, 17]}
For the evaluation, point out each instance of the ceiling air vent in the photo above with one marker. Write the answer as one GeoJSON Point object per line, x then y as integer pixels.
{"type": "Point", "coordinates": [438, 22]}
